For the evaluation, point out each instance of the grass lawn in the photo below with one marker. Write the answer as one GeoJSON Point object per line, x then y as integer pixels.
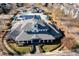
{"type": "Point", "coordinates": [49, 48]}
{"type": "Point", "coordinates": [21, 50]}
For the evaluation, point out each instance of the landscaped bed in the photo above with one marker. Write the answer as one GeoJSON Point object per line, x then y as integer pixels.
{"type": "Point", "coordinates": [21, 50]}
{"type": "Point", "coordinates": [49, 48]}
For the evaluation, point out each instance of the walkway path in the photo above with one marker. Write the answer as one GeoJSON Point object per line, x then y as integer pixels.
{"type": "Point", "coordinates": [8, 48]}
{"type": "Point", "coordinates": [37, 50]}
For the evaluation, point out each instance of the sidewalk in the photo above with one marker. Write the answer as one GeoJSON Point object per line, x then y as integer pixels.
{"type": "Point", "coordinates": [8, 48]}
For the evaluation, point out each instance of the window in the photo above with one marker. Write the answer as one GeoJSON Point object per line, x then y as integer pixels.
{"type": "Point", "coordinates": [41, 41]}
{"type": "Point", "coordinates": [45, 41]}
{"type": "Point", "coordinates": [49, 40]}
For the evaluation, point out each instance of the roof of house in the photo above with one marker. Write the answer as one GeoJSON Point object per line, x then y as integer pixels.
{"type": "Point", "coordinates": [32, 29]}
{"type": "Point", "coordinates": [23, 36]}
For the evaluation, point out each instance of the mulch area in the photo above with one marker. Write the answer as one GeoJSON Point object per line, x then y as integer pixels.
{"type": "Point", "coordinates": [69, 42]}
{"type": "Point", "coordinates": [1, 34]}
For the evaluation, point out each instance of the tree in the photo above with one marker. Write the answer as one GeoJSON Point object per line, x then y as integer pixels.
{"type": "Point", "coordinates": [57, 12]}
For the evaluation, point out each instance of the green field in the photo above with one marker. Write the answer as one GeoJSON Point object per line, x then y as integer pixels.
{"type": "Point", "coordinates": [21, 50]}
